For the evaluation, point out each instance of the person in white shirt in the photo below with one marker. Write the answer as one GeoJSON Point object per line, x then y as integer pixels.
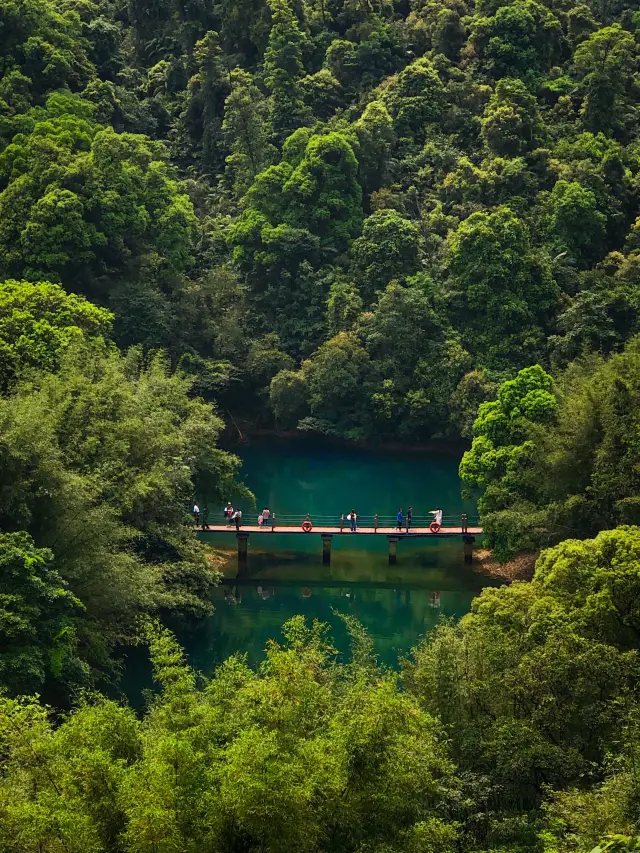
{"type": "Point", "coordinates": [437, 515]}
{"type": "Point", "coordinates": [196, 513]}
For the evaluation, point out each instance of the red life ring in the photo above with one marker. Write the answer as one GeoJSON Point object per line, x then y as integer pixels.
{"type": "Point", "coordinates": [307, 526]}
{"type": "Point", "coordinates": [434, 527]}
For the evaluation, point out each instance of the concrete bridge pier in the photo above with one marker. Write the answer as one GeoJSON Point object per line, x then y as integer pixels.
{"type": "Point", "coordinates": [468, 541]}
{"type": "Point", "coordinates": [243, 542]}
{"type": "Point", "coordinates": [326, 548]}
{"type": "Point", "coordinates": [393, 549]}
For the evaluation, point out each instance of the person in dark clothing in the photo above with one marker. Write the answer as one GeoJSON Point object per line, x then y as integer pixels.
{"type": "Point", "coordinates": [409, 517]}
{"type": "Point", "coordinates": [354, 519]}
{"type": "Point", "coordinates": [237, 515]}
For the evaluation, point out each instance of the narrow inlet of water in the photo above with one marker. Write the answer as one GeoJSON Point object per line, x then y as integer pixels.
{"type": "Point", "coordinates": [284, 575]}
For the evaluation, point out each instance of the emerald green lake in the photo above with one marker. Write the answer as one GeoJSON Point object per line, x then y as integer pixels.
{"type": "Point", "coordinates": [284, 575]}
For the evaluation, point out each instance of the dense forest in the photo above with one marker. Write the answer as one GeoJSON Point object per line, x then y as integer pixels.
{"type": "Point", "coordinates": [397, 220]}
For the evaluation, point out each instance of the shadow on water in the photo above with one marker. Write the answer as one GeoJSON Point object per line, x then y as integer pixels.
{"type": "Point", "coordinates": [284, 575]}
{"type": "Point", "coordinates": [397, 605]}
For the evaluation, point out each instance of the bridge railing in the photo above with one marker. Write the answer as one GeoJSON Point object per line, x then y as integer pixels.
{"type": "Point", "coordinates": [288, 520]}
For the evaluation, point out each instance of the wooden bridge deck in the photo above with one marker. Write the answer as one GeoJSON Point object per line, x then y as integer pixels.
{"type": "Point", "coordinates": [362, 531]}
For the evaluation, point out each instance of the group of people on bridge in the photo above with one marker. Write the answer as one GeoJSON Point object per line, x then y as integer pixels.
{"type": "Point", "coordinates": [266, 519]}
{"type": "Point", "coordinates": [231, 515]}
{"type": "Point", "coordinates": [401, 520]}
{"type": "Point", "coordinates": [408, 519]}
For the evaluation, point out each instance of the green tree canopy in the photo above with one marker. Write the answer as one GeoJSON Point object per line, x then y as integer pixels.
{"type": "Point", "coordinates": [520, 38]}
{"type": "Point", "coordinates": [415, 99]}
{"type": "Point", "coordinates": [299, 748]}
{"type": "Point", "coordinates": [511, 123]}
{"type": "Point", "coordinates": [247, 130]}
{"type": "Point", "coordinates": [283, 69]}
{"type": "Point", "coordinates": [388, 249]}
{"type": "Point", "coordinates": [314, 188]}
{"type": "Point", "coordinates": [100, 462]}
{"type": "Point", "coordinates": [543, 669]}
{"type": "Point", "coordinates": [508, 293]}
{"type": "Point", "coordinates": [36, 617]}
{"type": "Point", "coordinates": [79, 202]}
{"type": "Point", "coordinates": [338, 379]}
{"type": "Point", "coordinates": [375, 134]}
{"type": "Point", "coordinates": [506, 445]}
{"type": "Point", "coordinates": [47, 44]}
{"type": "Point", "coordinates": [605, 63]}
{"type": "Point", "coordinates": [37, 324]}
{"type": "Point", "coordinates": [575, 220]}
{"type": "Point", "coordinates": [207, 90]}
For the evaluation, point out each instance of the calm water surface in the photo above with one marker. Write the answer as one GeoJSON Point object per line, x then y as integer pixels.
{"type": "Point", "coordinates": [325, 480]}
{"type": "Point", "coordinates": [285, 576]}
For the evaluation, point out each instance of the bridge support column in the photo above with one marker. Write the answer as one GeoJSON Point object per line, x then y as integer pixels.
{"type": "Point", "coordinates": [468, 547]}
{"type": "Point", "coordinates": [326, 548]}
{"type": "Point", "coordinates": [393, 549]}
{"type": "Point", "coordinates": [243, 541]}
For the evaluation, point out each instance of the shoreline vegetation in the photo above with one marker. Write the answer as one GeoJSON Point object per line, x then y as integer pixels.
{"type": "Point", "coordinates": [104, 773]}
{"type": "Point", "coordinates": [244, 432]}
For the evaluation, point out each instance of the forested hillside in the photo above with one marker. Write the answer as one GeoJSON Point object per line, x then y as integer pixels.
{"type": "Point", "coordinates": [353, 218]}
{"type": "Point", "coordinates": [392, 220]}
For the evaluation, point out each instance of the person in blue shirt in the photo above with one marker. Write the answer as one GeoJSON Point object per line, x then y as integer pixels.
{"type": "Point", "coordinates": [400, 519]}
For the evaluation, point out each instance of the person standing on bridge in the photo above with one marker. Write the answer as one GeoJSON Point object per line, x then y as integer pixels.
{"type": "Point", "coordinates": [409, 517]}
{"type": "Point", "coordinates": [196, 513]}
{"type": "Point", "coordinates": [400, 518]}
{"type": "Point", "coordinates": [237, 516]}
{"type": "Point", "coordinates": [228, 512]}
{"type": "Point", "coordinates": [266, 512]}
{"type": "Point", "coordinates": [437, 515]}
{"type": "Point", "coordinates": [354, 519]}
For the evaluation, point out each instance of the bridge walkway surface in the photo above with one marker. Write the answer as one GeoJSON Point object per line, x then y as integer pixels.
{"type": "Point", "coordinates": [361, 531]}
{"type": "Point", "coordinates": [291, 526]}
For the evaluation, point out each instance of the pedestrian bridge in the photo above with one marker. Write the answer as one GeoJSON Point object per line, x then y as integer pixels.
{"type": "Point", "coordinates": [460, 527]}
